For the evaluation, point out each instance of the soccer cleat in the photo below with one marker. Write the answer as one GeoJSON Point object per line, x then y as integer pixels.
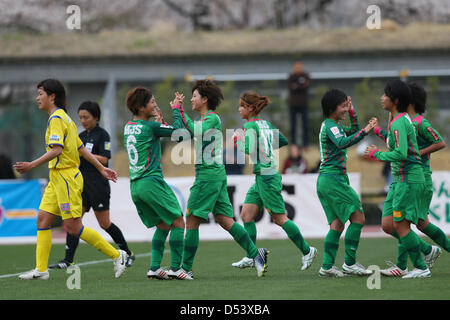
{"type": "Point", "coordinates": [63, 264]}
{"type": "Point", "coordinates": [159, 274]}
{"type": "Point", "coordinates": [308, 259]}
{"type": "Point", "coordinates": [191, 274]}
{"type": "Point", "coordinates": [332, 272]}
{"type": "Point", "coordinates": [260, 261]}
{"type": "Point", "coordinates": [180, 274]}
{"type": "Point", "coordinates": [431, 258]}
{"type": "Point", "coordinates": [245, 262]}
{"type": "Point", "coordinates": [393, 270]}
{"type": "Point", "coordinates": [356, 269]}
{"type": "Point", "coordinates": [418, 273]}
{"type": "Point", "coordinates": [120, 263]}
{"type": "Point", "coordinates": [130, 259]}
{"type": "Point", "coordinates": [34, 274]}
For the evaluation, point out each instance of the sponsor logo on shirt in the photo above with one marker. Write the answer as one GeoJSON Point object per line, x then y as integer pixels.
{"type": "Point", "coordinates": [65, 206]}
{"type": "Point", "coordinates": [397, 214]}
{"type": "Point", "coordinates": [396, 137]}
{"type": "Point", "coordinates": [54, 138]}
{"type": "Point", "coordinates": [433, 134]}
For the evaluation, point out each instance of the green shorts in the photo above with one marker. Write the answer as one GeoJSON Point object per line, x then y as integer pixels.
{"type": "Point", "coordinates": [208, 196]}
{"type": "Point", "coordinates": [337, 197]}
{"type": "Point", "coordinates": [155, 201]}
{"type": "Point", "coordinates": [405, 201]}
{"type": "Point", "coordinates": [426, 198]}
{"type": "Point", "coordinates": [266, 193]}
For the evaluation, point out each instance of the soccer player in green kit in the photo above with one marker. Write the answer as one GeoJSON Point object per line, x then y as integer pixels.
{"type": "Point", "coordinates": [403, 202]}
{"type": "Point", "coordinates": [429, 140]}
{"type": "Point", "coordinates": [339, 201]}
{"type": "Point", "coordinates": [209, 192]}
{"type": "Point", "coordinates": [155, 201]}
{"type": "Point", "coordinates": [259, 142]}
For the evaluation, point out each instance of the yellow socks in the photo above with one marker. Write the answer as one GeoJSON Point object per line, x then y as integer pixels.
{"type": "Point", "coordinates": [96, 240]}
{"type": "Point", "coordinates": [43, 246]}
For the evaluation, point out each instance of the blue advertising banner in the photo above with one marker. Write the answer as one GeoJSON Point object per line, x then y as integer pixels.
{"type": "Point", "coordinates": [19, 205]}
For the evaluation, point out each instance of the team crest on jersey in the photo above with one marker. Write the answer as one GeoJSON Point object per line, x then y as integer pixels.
{"type": "Point", "coordinates": [65, 206]}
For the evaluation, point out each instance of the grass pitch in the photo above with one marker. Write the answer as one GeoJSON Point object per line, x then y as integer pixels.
{"type": "Point", "coordinates": [216, 279]}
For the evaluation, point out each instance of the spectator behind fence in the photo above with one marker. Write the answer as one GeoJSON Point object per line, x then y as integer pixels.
{"type": "Point", "coordinates": [6, 168]}
{"type": "Point", "coordinates": [298, 84]}
{"type": "Point", "coordinates": [295, 163]}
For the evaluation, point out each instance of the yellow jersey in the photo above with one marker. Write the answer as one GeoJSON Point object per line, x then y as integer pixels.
{"type": "Point", "coordinates": [62, 131]}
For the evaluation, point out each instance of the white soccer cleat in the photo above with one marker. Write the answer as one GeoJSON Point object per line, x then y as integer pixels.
{"type": "Point", "coordinates": [418, 273]}
{"type": "Point", "coordinates": [308, 259]}
{"type": "Point", "coordinates": [180, 274]}
{"type": "Point", "coordinates": [393, 270]}
{"type": "Point", "coordinates": [159, 274]}
{"type": "Point", "coordinates": [431, 258]}
{"type": "Point", "coordinates": [260, 262]}
{"type": "Point", "coordinates": [35, 274]}
{"type": "Point", "coordinates": [245, 262]}
{"type": "Point", "coordinates": [332, 272]}
{"type": "Point", "coordinates": [356, 269]}
{"type": "Point", "coordinates": [120, 263]}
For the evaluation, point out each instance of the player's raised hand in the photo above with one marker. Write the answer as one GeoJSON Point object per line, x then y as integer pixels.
{"type": "Point", "coordinates": [109, 174]}
{"type": "Point", "coordinates": [350, 104]}
{"type": "Point", "coordinates": [158, 115]}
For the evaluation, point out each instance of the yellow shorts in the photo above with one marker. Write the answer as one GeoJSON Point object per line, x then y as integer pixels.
{"type": "Point", "coordinates": [62, 196]}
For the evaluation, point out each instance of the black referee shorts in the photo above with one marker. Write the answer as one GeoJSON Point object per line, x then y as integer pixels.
{"type": "Point", "coordinates": [96, 193]}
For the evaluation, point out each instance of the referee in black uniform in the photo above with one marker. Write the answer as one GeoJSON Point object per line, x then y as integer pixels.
{"type": "Point", "coordinates": [96, 191]}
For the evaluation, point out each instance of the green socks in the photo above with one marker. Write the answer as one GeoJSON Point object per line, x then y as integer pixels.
{"type": "Point", "coordinates": [412, 245]}
{"type": "Point", "coordinates": [296, 237]}
{"type": "Point", "coordinates": [176, 242]}
{"type": "Point", "coordinates": [158, 241]}
{"type": "Point", "coordinates": [250, 227]}
{"type": "Point", "coordinates": [402, 253]}
{"type": "Point", "coordinates": [438, 236]}
{"type": "Point", "coordinates": [352, 236]}
{"type": "Point", "coordinates": [331, 246]}
{"type": "Point", "coordinates": [191, 242]}
{"type": "Point", "coordinates": [241, 236]}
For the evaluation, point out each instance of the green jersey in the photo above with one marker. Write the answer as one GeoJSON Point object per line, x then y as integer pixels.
{"type": "Point", "coordinates": [207, 133]}
{"type": "Point", "coordinates": [334, 140]}
{"type": "Point", "coordinates": [426, 136]}
{"type": "Point", "coordinates": [406, 163]}
{"type": "Point", "coordinates": [142, 141]}
{"type": "Point", "coordinates": [261, 138]}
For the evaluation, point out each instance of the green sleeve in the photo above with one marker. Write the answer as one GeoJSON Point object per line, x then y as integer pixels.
{"type": "Point", "coordinates": [164, 129]}
{"type": "Point", "coordinates": [429, 133]}
{"type": "Point", "coordinates": [337, 136]}
{"type": "Point", "coordinates": [399, 151]}
{"type": "Point", "coordinates": [247, 144]}
{"type": "Point", "coordinates": [381, 133]}
{"type": "Point", "coordinates": [354, 124]}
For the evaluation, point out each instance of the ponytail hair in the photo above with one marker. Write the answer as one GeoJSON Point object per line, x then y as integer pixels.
{"type": "Point", "coordinates": [254, 100]}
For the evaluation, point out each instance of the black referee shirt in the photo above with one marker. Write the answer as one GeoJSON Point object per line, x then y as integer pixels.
{"type": "Point", "coordinates": [97, 142]}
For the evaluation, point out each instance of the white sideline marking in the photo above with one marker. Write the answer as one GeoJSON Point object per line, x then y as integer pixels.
{"type": "Point", "coordinates": [82, 264]}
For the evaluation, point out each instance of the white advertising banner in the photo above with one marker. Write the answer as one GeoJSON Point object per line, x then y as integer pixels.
{"type": "Point", "coordinates": [299, 192]}
{"type": "Point", "coordinates": [439, 213]}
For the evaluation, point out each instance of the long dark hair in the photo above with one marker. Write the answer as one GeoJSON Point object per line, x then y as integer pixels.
{"type": "Point", "coordinates": [53, 86]}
